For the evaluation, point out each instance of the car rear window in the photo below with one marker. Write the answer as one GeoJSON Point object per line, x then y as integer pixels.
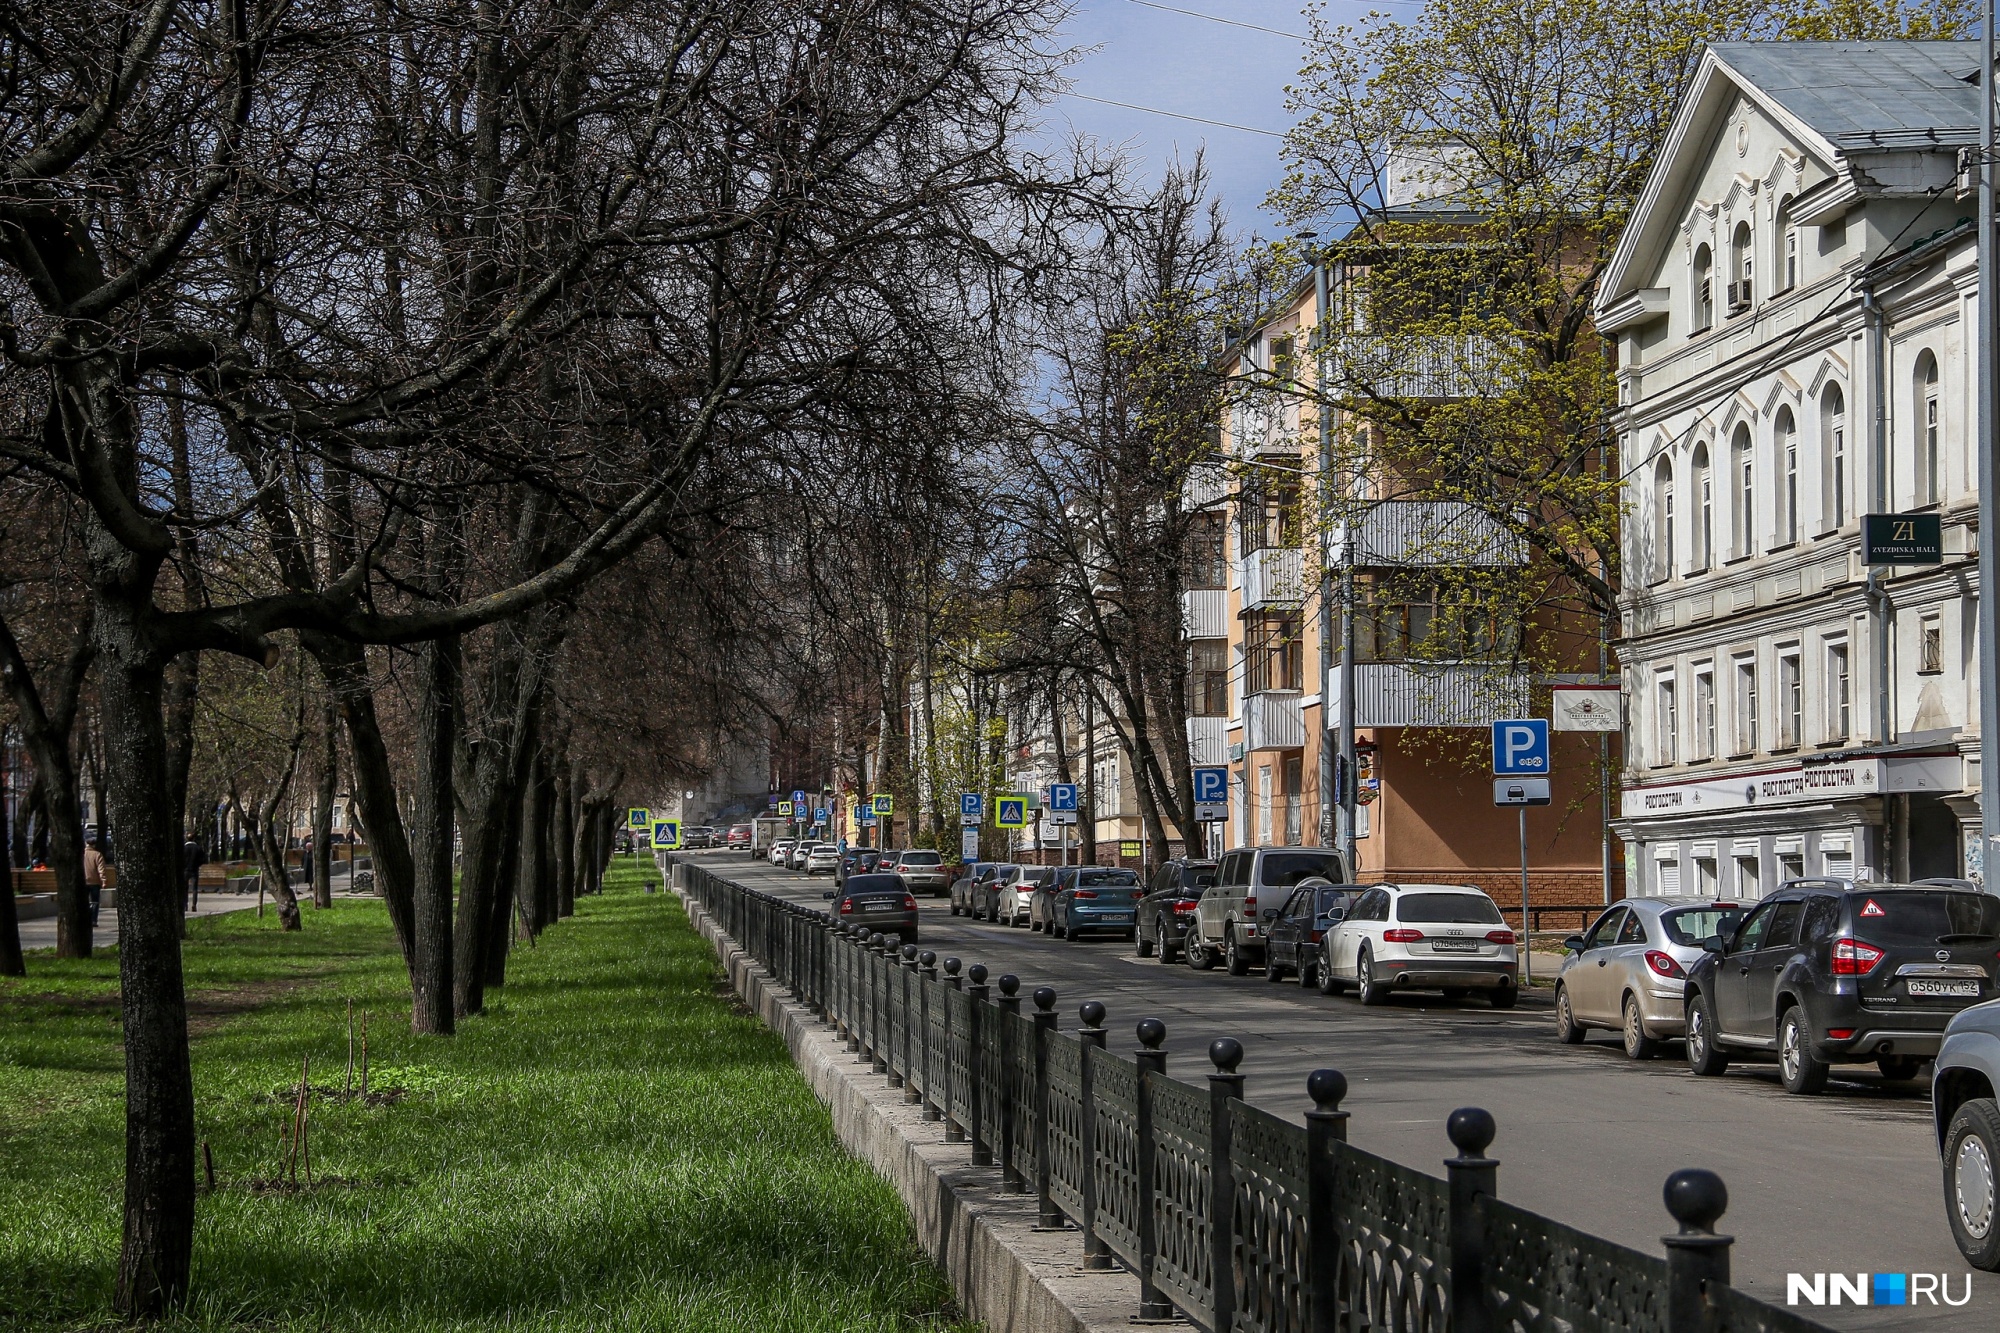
{"type": "Point", "coordinates": [1198, 876]}
{"type": "Point", "coordinates": [1332, 900]}
{"type": "Point", "coordinates": [859, 886]}
{"type": "Point", "coordinates": [1282, 870]}
{"type": "Point", "coordinates": [1108, 879]}
{"type": "Point", "coordinates": [921, 859]}
{"type": "Point", "coordinates": [1447, 908]}
{"type": "Point", "coordinates": [1692, 925]}
{"type": "Point", "coordinates": [1928, 915]}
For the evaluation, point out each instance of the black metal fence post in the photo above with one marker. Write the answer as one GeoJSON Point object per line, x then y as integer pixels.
{"type": "Point", "coordinates": [1225, 1085]}
{"type": "Point", "coordinates": [892, 1001]}
{"type": "Point", "coordinates": [928, 961]}
{"type": "Point", "coordinates": [1007, 1063]}
{"type": "Point", "coordinates": [881, 1030]}
{"type": "Point", "coordinates": [910, 987]}
{"type": "Point", "coordinates": [1047, 1215]}
{"type": "Point", "coordinates": [1696, 1256]}
{"type": "Point", "coordinates": [1470, 1175]}
{"type": "Point", "coordinates": [954, 1132]}
{"type": "Point", "coordinates": [982, 1149]}
{"type": "Point", "coordinates": [1151, 1061]}
{"type": "Point", "coordinates": [850, 993]}
{"type": "Point", "coordinates": [1326, 1125]}
{"type": "Point", "coordinates": [1096, 1254]}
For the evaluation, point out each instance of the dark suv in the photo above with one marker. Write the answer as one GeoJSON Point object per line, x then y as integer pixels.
{"type": "Point", "coordinates": [1168, 907]}
{"type": "Point", "coordinates": [1828, 972]}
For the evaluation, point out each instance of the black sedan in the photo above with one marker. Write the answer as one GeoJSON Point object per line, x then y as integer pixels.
{"type": "Point", "coordinates": [879, 902]}
{"type": "Point", "coordinates": [1168, 907]}
{"type": "Point", "coordinates": [858, 861]}
{"type": "Point", "coordinates": [1294, 929]}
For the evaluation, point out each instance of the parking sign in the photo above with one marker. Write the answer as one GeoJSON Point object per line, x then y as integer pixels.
{"type": "Point", "coordinates": [1062, 796]}
{"type": "Point", "coordinates": [819, 815]}
{"type": "Point", "coordinates": [971, 809]}
{"type": "Point", "coordinates": [1211, 795]}
{"type": "Point", "coordinates": [1521, 748]}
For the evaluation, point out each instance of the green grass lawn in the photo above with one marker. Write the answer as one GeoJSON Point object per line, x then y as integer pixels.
{"type": "Point", "coordinates": [614, 1145]}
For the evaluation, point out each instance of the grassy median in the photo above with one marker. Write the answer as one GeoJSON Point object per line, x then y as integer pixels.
{"type": "Point", "coordinates": [615, 1145]}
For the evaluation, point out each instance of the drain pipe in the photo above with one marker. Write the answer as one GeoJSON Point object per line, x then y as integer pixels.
{"type": "Point", "coordinates": [1878, 592]}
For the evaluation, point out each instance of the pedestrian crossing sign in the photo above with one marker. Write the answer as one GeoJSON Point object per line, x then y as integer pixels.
{"type": "Point", "coordinates": [785, 809]}
{"type": "Point", "coordinates": [1010, 812]}
{"type": "Point", "coordinates": [666, 834]}
{"type": "Point", "coordinates": [638, 817]}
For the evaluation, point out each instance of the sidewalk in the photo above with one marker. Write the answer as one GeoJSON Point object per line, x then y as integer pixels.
{"type": "Point", "coordinates": [41, 933]}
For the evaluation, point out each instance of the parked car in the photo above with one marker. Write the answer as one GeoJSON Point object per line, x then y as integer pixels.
{"type": "Point", "coordinates": [1101, 899]}
{"type": "Point", "coordinates": [1295, 929]}
{"type": "Point", "coordinates": [878, 901]}
{"type": "Point", "coordinates": [1628, 972]}
{"type": "Point", "coordinates": [924, 872]}
{"type": "Point", "coordinates": [1014, 892]}
{"type": "Point", "coordinates": [797, 859]}
{"type": "Point", "coordinates": [824, 856]}
{"type": "Point", "coordinates": [1227, 916]}
{"type": "Point", "coordinates": [1446, 937]}
{"type": "Point", "coordinates": [697, 837]}
{"type": "Point", "coordinates": [961, 888]}
{"type": "Point", "coordinates": [1167, 909]}
{"type": "Point", "coordinates": [1042, 907]}
{"type": "Point", "coordinates": [857, 861]}
{"type": "Point", "coordinates": [739, 837]}
{"type": "Point", "coordinates": [780, 852]}
{"type": "Point", "coordinates": [1827, 972]}
{"type": "Point", "coordinates": [1964, 1081]}
{"type": "Point", "coordinates": [984, 894]}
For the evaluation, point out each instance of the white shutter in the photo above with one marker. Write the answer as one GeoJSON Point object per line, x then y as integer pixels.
{"type": "Point", "coordinates": [1669, 877]}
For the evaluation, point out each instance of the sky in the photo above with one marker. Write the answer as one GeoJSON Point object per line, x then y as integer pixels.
{"type": "Point", "coordinates": [1149, 56]}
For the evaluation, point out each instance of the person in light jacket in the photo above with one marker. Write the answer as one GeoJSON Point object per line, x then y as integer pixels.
{"type": "Point", "coordinates": [93, 876]}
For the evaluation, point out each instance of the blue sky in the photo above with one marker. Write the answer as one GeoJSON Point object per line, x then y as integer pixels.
{"type": "Point", "coordinates": [1152, 57]}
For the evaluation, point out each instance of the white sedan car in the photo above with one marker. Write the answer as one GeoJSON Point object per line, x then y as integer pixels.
{"type": "Point", "coordinates": [1017, 894]}
{"type": "Point", "coordinates": [823, 856]}
{"type": "Point", "coordinates": [780, 852]}
{"type": "Point", "coordinates": [1447, 937]}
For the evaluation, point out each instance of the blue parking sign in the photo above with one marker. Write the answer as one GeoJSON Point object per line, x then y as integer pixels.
{"type": "Point", "coordinates": [1062, 796]}
{"type": "Point", "coordinates": [971, 804]}
{"type": "Point", "coordinates": [1521, 748]}
{"type": "Point", "coordinates": [819, 815]}
{"type": "Point", "coordinates": [1211, 786]}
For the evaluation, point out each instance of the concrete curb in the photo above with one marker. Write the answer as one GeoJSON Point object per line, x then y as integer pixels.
{"type": "Point", "coordinates": [1008, 1275]}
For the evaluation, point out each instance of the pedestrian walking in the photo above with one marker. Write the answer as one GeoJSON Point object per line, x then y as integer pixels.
{"type": "Point", "coordinates": [306, 858]}
{"type": "Point", "coordinates": [191, 868]}
{"type": "Point", "coordinates": [93, 876]}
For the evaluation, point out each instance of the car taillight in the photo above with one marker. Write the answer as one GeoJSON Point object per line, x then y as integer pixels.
{"type": "Point", "coordinates": [1402, 936]}
{"type": "Point", "coordinates": [909, 903]}
{"type": "Point", "coordinates": [1250, 903]}
{"type": "Point", "coordinates": [1084, 893]}
{"type": "Point", "coordinates": [1663, 964]}
{"type": "Point", "coordinates": [1499, 937]}
{"type": "Point", "coordinates": [1316, 937]}
{"type": "Point", "coordinates": [1183, 907]}
{"type": "Point", "coordinates": [1839, 1034]}
{"type": "Point", "coordinates": [1853, 958]}
{"type": "Point", "coordinates": [846, 906]}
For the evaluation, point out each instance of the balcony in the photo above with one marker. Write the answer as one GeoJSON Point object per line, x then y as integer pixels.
{"type": "Point", "coordinates": [1274, 720]}
{"type": "Point", "coordinates": [1205, 613]}
{"type": "Point", "coordinates": [1417, 533]}
{"type": "Point", "coordinates": [1208, 740]}
{"type": "Point", "coordinates": [1414, 366]}
{"type": "Point", "coordinates": [1273, 577]}
{"type": "Point", "coordinates": [1431, 694]}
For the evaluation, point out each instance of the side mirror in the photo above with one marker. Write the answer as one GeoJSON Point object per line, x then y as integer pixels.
{"type": "Point", "coordinates": [1574, 944]}
{"type": "Point", "coordinates": [1715, 944]}
{"type": "Point", "coordinates": [827, 895]}
{"type": "Point", "coordinates": [1336, 916]}
{"type": "Point", "coordinates": [1270, 914]}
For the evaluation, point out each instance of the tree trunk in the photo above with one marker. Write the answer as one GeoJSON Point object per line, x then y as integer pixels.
{"type": "Point", "coordinates": [65, 828]}
{"type": "Point", "coordinates": [563, 836]}
{"type": "Point", "coordinates": [158, 1243]}
{"type": "Point", "coordinates": [432, 823]}
{"type": "Point", "coordinates": [541, 827]}
{"type": "Point", "coordinates": [345, 667]}
{"type": "Point", "coordinates": [323, 799]}
{"type": "Point", "coordinates": [182, 689]}
{"type": "Point", "coordinates": [12, 964]}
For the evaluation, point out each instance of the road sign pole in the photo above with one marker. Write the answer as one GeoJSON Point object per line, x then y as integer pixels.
{"type": "Point", "coordinates": [1527, 949]}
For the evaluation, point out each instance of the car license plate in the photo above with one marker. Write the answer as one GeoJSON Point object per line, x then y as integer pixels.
{"type": "Point", "coordinates": [1918, 986]}
{"type": "Point", "coordinates": [878, 907]}
{"type": "Point", "coordinates": [1455, 946]}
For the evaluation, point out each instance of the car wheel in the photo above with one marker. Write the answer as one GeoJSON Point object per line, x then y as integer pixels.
{"type": "Point", "coordinates": [1072, 936]}
{"type": "Point", "coordinates": [1638, 1046]}
{"type": "Point", "coordinates": [1323, 974]}
{"type": "Point", "coordinates": [1972, 1181]}
{"type": "Point", "coordinates": [1307, 968]}
{"type": "Point", "coordinates": [1239, 964]}
{"type": "Point", "coordinates": [1272, 972]}
{"type": "Point", "coordinates": [1568, 1031]}
{"type": "Point", "coordinates": [1369, 990]}
{"type": "Point", "coordinates": [1704, 1057]}
{"type": "Point", "coordinates": [1168, 953]}
{"type": "Point", "coordinates": [1503, 997]}
{"type": "Point", "coordinates": [1141, 945]}
{"type": "Point", "coordinates": [1898, 1067]}
{"type": "Point", "coordinates": [1200, 957]}
{"type": "Point", "coordinates": [1802, 1072]}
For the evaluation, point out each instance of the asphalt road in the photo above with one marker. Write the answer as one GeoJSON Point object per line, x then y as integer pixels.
{"type": "Point", "coordinates": [1844, 1182]}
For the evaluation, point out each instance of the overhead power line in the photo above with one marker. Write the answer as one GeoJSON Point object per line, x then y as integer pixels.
{"type": "Point", "coordinates": [1234, 23]}
{"type": "Point", "coordinates": [1176, 115]}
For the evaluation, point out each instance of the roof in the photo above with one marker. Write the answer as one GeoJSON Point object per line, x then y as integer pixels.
{"type": "Point", "coordinates": [1862, 95]}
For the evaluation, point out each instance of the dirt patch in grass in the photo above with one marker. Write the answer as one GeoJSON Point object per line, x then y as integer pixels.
{"type": "Point", "coordinates": [210, 1009]}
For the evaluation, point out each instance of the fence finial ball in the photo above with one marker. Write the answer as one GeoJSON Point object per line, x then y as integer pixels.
{"type": "Point", "coordinates": [1009, 983]}
{"type": "Point", "coordinates": [909, 953]}
{"type": "Point", "coordinates": [1471, 1130]}
{"type": "Point", "coordinates": [1225, 1053]}
{"type": "Point", "coordinates": [1327, 1088]}
{"type": "Point", "coordinates": [1092, 1013]}
{"type": "Point", "coordinates": [951, 966]}
{"type": "Point", "coordinates": [1151, 1033]}
{"type": "Point", "coordinates": [1697, 1199]}
{"type": "Point", "coordinates": [928, 958]}
{"type": "Point", "coordinates": [1045, 998]}
{"type": "Point", "coordinates": [977, 972]}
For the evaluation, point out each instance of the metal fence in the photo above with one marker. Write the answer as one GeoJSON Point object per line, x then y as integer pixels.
{"type": "Point", "coordinates": [1236, 1219]}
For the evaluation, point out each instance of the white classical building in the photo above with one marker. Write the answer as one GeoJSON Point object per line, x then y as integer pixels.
{"type": "Point", "coordinates": [1791, 305]}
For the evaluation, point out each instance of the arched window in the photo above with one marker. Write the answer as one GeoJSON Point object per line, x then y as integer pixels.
{"type": "Point", "coordinates": [1663, 519]}
{"type": "Point", "coordinates": [1702, 314]}
{"type": "Point", "coordinates": [1786, 432]}
{"type": "Point", "coordinates": [1704, 509]}
{"type": "Point", "coordinates": [1788, 239]}
{"type": "Point", "coordinates": [1743, 492]}
{"type": "Point", "coordinates": [1740, 265]}
{"type": "Point", "coordinates": [1930, 455]}
{"type": "Point", "coordinates": [1833, 440]}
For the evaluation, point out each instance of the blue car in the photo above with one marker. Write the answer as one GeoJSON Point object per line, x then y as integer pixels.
{"type": "Point", "coordinates": [1097, 898]}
